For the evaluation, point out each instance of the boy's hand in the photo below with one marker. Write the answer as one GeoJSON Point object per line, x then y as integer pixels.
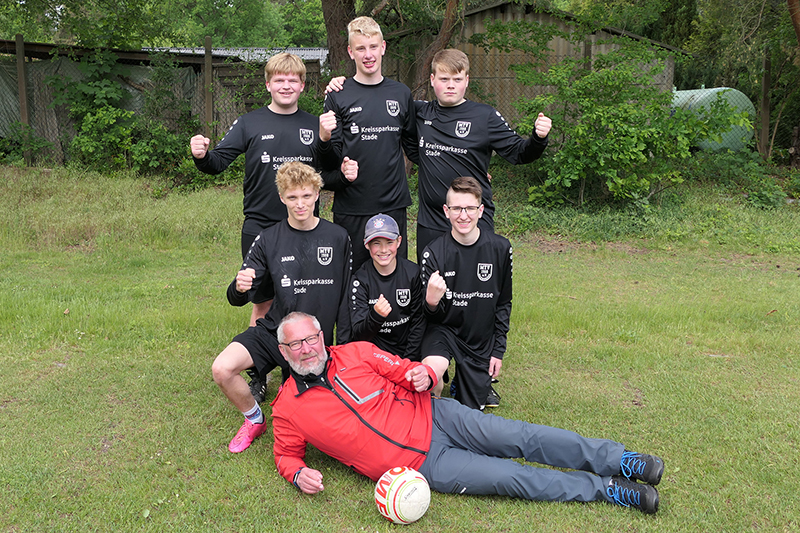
{"type": "Point", "coordinates": [436, 289]}
{"type": "Point", "coordinates": [350, 169]}
{"type": "Point", "coordinates": [383, 307]}
{"type": "Point", "coordinates": [542, 126]}
{"type": "Point", "coordinates": [244, 279]}
{"type": "Point", "coordinates": [199, 146]}
{"type": "Point", "coordinates": [335, 85]}
{"type": "Point", "coordinates": [327, 123]}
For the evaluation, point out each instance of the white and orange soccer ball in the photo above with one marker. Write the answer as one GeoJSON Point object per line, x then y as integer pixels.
{"type": "Point", "coordinates": [402, 495]}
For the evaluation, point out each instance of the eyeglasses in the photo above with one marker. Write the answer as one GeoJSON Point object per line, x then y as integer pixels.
{"type": "Point", "coordinates": [457, 210]}
{"type": "Point", "coordinates": [311, 340]}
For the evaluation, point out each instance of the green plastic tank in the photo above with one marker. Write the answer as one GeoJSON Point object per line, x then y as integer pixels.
{"type": "Point", "coordinates": [738, 137]}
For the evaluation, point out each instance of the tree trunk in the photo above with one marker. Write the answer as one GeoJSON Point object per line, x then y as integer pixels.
{"type": "Point", "coordinates": [451, 18]}
{"type": "Point", "coordinates": [337, 14]}
{"type": "Point", "coordinates": [794, 13]}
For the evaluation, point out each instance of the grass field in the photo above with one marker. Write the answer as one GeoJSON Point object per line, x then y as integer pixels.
{"type": "Point", "coordinates": [678, 336]}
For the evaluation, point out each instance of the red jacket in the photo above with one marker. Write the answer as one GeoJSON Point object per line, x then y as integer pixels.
{"type": "Point", "coordinates": [362, 412]}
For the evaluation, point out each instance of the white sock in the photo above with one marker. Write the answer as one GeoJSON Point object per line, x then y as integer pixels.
{"type": "Point", "coordinates": [254, 415]}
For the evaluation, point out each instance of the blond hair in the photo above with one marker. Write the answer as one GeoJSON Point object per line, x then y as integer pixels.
{"type": "Point", "coordinates": [285, 63]}
{"type": "Point", "coordinates": [451, 61]}
{"type": "Point", "coordinates": [297, 175]}
{"type": "Point", "coordinates": [365, 26]}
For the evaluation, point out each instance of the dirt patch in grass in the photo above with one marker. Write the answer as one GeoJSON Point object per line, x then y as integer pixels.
{"type": "Point", "coordinates": [549, 244]}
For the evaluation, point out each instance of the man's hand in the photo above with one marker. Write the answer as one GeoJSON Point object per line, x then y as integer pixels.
{"type": "Point", "coordinates": [199, 146]}
{"type": "Point", "coordinates": [244, 279]}
{"type": "Point", "coordinates": [350, 169]}
{"type": "Point", "coordinates": [495, 365]}
{"type": "Point", "coordinates": [542, 126]}
{"type": "Point", "coordinates": [310, 481]}
{"type": "Point", "coordinates": [327, 123]}
{"type": "Point", "coordinates": [436, 289]}
{"type": "Point", "coordinates": [383, 307]}
{"type": "Point", "coordinates": [335, 85]}
{"type": "Point", "coordinates": [418, 376]}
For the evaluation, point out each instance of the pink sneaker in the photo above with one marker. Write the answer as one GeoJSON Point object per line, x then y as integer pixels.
{"type": "Point", "coordinates": [246, 435]}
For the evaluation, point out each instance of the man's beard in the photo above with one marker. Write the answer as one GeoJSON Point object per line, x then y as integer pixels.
{"type": "Point", "coordinates": [305, 370]}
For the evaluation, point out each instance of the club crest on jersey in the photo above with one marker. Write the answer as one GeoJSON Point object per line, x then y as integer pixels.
{"type": "Point", "coordinates": [484, 271]}
{"type": "Point", "coordinates": [403, 297]}
{"type": "Point", "coordinates": [393, 107]}
{"type": "Point", "coordinates": [325, 255]}
{"type": "Point", "coordinates": [463, 127]}
{"type": "Point", "coordinates": [306, 136]}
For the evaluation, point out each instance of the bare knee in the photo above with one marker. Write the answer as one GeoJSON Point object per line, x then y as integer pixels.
{"type": "Point", "coordinates": [228, 364]}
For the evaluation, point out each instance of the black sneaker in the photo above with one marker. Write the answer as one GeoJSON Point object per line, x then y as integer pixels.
{"type": "Point", "coordinates": [258, 387]}
{"type": "Point", "coordinates": [627, 493]}
{"type": "Point", "coordinates": [493, 399]}
{"type": "Point", "coordinates": [641, 466]}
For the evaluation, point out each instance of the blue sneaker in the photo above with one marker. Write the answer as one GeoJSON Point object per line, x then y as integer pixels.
{"type": "Point", "coordinates": [641, 466]}
{"type": "Point", "coordinates": [627, 493]}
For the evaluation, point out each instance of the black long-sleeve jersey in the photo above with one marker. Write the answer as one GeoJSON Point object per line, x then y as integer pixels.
{"type": "Point", "coordinates": [477, 304]}
{"type": "Point", "coordinates": [267, 140]}
{"type": "Point", "coordinates": [309, 271]}
{"type": "Point", "coordinates": [400, 332]}
{"type": "Point", "coordinates": [375, 122]}
{"type": "Point", "coordinates": [459, 141]}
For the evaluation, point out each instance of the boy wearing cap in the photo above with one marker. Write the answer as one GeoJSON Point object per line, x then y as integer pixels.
{"type": "Point", "coordinates": [386, 296]}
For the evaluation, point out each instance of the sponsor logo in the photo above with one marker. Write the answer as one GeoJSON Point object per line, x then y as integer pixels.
{"type": "Point", "coordinates": [287, 258]}
{"type": "Point", "coordinates": [463, 127]}
{"type": "Point", "coordinates": [403, 297]}
{"type": "Point", "coordinates": [422, 142]}
{"type": "Point", "coordinates": [267, 137]}
{"type": "Point", "coordinates": [393, 107]}
{"type": "Point", "coordinates": [355, 109]}
{"type": "Point", "coordinates": [325, 255]}
{"type": "Point", "coordinates": [306, 136]}
{"type": "Point", "coordinates": [286, 282]}
{"type": "Point", "coordinates": [427, 123]}
{"type": "Point", "coordinates": [484, 271]}
{"type": "Point", "coordinates": [450, 273]}
{"type": "Point", "coordinates": [354, 128]}
{"type": "Point", "coordinates": [265, 157]}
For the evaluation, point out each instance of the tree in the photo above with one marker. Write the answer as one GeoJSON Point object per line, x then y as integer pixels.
{"type": "Point", "coordinates": [305, 24]}
{"type": "Point", "coordinates": [794, 15]}
{"type": "Point", "coordinates": [338, 13]}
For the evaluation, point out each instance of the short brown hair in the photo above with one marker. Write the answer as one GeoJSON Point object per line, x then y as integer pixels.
{"type": "Point", "coordinates": [469, 185]}
{"type": "Point", "coordinates": [285, 63]}
{"type": "Point", "coordinates": [451, 61]}
{"type": "Point", "coordinates": [296, 175]}
{"type": "Point", "coordinates": [365, 26]}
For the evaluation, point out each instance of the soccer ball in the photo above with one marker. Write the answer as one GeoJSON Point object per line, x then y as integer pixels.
{"type": "Point", "coordinates": [402, 495]}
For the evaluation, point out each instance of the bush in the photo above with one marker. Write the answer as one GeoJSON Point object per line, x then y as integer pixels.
{"type": "Point", "coordinates": [615, 136]}
{"type": "Point", "coordinates": [20, 140]}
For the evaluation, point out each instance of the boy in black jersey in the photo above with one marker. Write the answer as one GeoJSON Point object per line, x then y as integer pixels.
{"type": "Point", "coordinates": [386, 299]}
{"type": "Point", "coordinates": [305, 262]}
{"type": "Point", "coordinates": [268, 137]}
{"type": "Point", "coordinates": [457, 138]}
{"type": "Point", "coordinates": [466, 274]}
{"type": "Point", "coordinates": [375, 122]}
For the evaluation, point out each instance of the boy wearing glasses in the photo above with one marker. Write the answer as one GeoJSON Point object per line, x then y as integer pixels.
{"type": "Point", "coordinates": [466, 277]}
{"type": "Point", "coordinates": [304, 261]}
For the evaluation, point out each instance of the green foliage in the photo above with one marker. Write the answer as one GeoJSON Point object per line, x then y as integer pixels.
{"type": "Point", "coordinates": [230, 23]}
{"type": "Point", "coordinates": [98, 88]}
{"type": "Point", "coordinates": [21, 139]}
{"type": "Point", "coordinates": [305, 25]}
{"type": "Point", "coordinates": [103, 139]}
{"type": "Point", "coordinates": [615, 136]}
{"type": "Point", "coordinates": [740, 173]}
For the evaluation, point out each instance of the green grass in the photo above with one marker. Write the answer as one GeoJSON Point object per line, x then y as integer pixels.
{"type": "Point", "coordinates": [677, 335]}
